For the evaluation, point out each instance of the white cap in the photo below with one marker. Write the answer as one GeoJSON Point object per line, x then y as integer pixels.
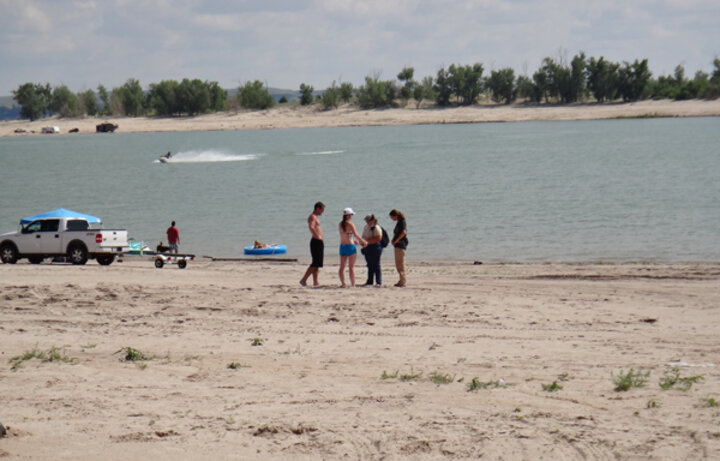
{"type": "Point", "coordinates": [348, 211]}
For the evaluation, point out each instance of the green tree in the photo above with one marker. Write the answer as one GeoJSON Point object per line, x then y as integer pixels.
{"type": "Point", "coordinates": [346, 91]}
{"type": "Point", "coordinates": [541, 86]}
{"type": "Point", "coordinates": [442, 88]}
{"type": "Point", "coordinates": [633, 80]}
{"type": "Point", "coordinates": [128, 99]}
{"type": "Point", "coordinates": [34, 99]}
{"type": "Point", "coordinates": [162, 98]}
{"type": "Point", "coordinates": [602, 79]}
{"type": "Point", "coordinates": [406, 90]}
{"type": "Point", "coordinates": [524, 87]}
{"type": "Point", "coordinates": [306, 94]}
{"type": "Point", "coordinates": [714, 86]}
{"type": "Point", "coordinates": [218, 97]}
{"type": "Point", "coordinates": [254, 95]}
{"type": "Point", "coordinates": [424, 90]}
{"type": "Point", "coordinates": [376, 93]}
{"type": "Point", "coordinates": [88, 102]}
{"type": "Point", "coordinates": [105, 99]}
{"type": "Point", "coordinates": [501, 84]}
{"type": "Point", "coordinates": [64, 102]}
{"type": "Point", "coordinates": [578, 78]}
{"type": "Point", "coordinates": [466, 82]}
{"type": "Point", "coordinates": [699, 86]}
{"type": "Point", "coordinates": [331, 97]}
{"type": "Point", "coordinates": [192, 96]}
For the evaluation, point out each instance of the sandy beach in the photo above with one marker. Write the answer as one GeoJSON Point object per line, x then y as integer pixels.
{"type": "Point", "coordinates": [491, 361]}
{"type": "Point", "coordinates": [307, 117]}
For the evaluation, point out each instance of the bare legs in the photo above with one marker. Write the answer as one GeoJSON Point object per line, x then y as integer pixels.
{"type": "Point", "coordinates": [350, 262]}
{"type": "Point", "coordinates": [310, 271]}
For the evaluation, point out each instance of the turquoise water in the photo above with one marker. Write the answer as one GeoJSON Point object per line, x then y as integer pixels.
{"type": "Point", "coordinates": [613, 190]}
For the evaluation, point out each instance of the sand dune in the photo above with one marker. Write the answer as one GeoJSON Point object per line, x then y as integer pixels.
{"type": "Point", "coordinates": [358, 373]}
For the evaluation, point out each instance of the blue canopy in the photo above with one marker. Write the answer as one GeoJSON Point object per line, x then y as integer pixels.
{"type": "Point", "coordinates": [61, 213]}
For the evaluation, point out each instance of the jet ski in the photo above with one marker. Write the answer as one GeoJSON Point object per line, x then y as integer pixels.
{"type": "Point", "coordinates": [165, 158]}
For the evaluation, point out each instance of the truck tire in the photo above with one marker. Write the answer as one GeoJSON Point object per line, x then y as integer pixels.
{"type": "Point", "coordinates": [8, 253]}
{"type": "Point", "coordinates": [35, 259]}
{"type": "Point", "coordinates": [105, 260]}
{"type": "Point", "coordinates": [78, 254]}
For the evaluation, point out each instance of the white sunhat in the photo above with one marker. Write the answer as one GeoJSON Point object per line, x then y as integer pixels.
{"type": "Point", "coordinates": [348, 211]}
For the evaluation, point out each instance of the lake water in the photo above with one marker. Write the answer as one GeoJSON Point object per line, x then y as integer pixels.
{"type": "Point", "coordinates": [615, 190]}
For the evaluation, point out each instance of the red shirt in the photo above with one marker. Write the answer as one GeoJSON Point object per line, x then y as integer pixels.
{"type": "Point", "coordinates": [173, 234]}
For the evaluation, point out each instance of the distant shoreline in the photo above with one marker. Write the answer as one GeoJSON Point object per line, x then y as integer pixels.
{"type": "Point", "coordinates": [313, 117]}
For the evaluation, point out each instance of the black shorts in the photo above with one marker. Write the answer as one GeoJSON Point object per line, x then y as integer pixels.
{"type": "Point", "coordinates": [317, 249]}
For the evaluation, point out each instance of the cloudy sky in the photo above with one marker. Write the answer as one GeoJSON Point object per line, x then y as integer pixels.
{"type": "Point", "coordinates": [83, 43]}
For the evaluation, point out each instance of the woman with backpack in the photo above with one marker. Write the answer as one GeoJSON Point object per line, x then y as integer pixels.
{"type": "Point", "coordinates": [373, 234]}
{"type": "Point", "coordinates": [400, 242]}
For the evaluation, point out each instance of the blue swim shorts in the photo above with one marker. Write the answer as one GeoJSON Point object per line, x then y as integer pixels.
{"type": "Point", "coordinates": [347, 249]}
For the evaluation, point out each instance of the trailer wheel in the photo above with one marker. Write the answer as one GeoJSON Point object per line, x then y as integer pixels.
{"type": "Point", "coordinates": [159, 263]}
{"type": "Point", "coordinates": [105, 260]}
{"type": "Point", "coordinates": [182, 264]}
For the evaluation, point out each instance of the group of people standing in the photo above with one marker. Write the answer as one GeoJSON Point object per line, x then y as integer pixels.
{"type": "Point", "coordinates": [370, 240]}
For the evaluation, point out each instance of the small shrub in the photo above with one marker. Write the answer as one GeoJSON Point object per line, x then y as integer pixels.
{"type": "Point", "coordinates": [552, 387]}
{"type": "Point", "coordinates": [132, 355]}
{"type": "Point", "coordinates": [51, 355]}
{"type": "Point", "coordinates": [438, 378]}
{"type": "Point", "coordinates": [652, 403]}
{"type": "Point", "coordinates": [235, 365]}
{"type": "Point", "coordinates": [672, 379]}
{"type": "Point", "coordinates": [710, 402]}
{"type": "Point", "coordinates": [410, 376]}
{"type": "Point", "coordinates": [626, 381]}
{"type": "Point", "coordinates": [476, 384]}
{"type": "Point", "coordinates": [386, 375]}
{"type": "Point", "coordinates": [256, 342]}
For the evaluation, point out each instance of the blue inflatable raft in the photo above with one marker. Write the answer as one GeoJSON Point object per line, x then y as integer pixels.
{"type": "Point", "coordinates": [266, 250]}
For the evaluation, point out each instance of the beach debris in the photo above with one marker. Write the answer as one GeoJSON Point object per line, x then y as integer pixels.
{"type": "Point", "coordinates": [3, 431]}
{"type": "Point", "coordinates": [681, 363]}
{"type": "Point", "coordinates": [478, 263]}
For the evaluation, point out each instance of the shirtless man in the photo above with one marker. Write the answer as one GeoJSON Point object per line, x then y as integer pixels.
{"type": "Point", "coordinates": [317, 246]}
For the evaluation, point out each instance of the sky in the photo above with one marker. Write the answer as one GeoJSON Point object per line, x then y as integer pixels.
{"type": "Point", "coordinates": [283, 43]}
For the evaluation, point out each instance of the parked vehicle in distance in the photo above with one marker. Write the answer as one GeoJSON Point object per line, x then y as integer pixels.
{"type": "Point", "coordinates": [106, 127]}
{"type": "Point", "coordinates": [63, 236]}
{"type": "Point", "coordinates": [50, 130]}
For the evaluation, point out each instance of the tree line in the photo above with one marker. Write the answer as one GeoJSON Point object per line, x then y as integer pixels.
{"type": "Point", "coordinates": [556, 81]}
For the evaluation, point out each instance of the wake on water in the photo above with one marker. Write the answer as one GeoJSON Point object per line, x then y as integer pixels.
{"type": "Point", "coordinates": [212, 155]}
{"type": "Point", "coordinates": [201, 156]}
{"type": "Point", "coordinates": [322, 152]}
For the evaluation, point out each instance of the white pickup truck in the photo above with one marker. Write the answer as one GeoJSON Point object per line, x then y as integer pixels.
{"type": "Point", "coordinates": [69, 237]}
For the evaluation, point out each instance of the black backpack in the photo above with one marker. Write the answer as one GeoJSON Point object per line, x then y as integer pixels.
{"type": "Point", "coordinates": [385, 238]}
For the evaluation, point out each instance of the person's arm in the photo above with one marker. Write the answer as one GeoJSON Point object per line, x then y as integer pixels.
{"type": "Point", "coordinates": [359, 238]}
{"type": "Point", "coordinates": [400, 237]}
